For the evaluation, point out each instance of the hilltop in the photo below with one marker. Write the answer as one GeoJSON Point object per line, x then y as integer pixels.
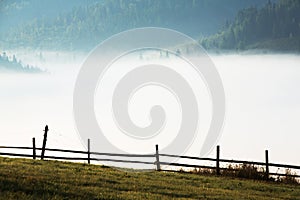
{"type": "Point", "coordinates": [35, 179]}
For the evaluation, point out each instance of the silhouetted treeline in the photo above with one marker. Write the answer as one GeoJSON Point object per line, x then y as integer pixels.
{"type": "Point", "coordinates": [88, 24]}
{"type": "Point", "coordinates": [276, 26]}
{"type": "Point", "coordinates": [14, 65]}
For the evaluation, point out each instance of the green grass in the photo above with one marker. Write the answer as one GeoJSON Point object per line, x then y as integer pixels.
{"type": "Point", "coordinates": [35, 179]}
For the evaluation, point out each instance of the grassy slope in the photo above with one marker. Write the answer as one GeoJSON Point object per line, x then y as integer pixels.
{"type": "Point", "coordinates": [25, 179]}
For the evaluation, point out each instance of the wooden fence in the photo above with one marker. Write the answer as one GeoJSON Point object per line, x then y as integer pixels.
{"type": "Point", "coordinates": [158, 160]}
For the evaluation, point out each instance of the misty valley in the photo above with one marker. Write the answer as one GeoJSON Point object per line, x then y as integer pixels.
{"type": "Point", "coordinates": [199, 97]}
{"type": "Point", "coordinates": [256, 83]}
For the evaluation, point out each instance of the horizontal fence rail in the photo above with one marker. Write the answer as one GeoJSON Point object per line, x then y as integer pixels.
{"type": "Point", "coordinates": [158, 159]}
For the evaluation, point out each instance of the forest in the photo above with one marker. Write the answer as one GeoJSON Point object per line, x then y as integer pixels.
{"type": "Point", "coordinates": [11, 64]}
{"type": "Point", "coordinates": [85, 25]}
{"type": "Point", "coordinates": [275, 26]}
{"type": "Point", "coordinates": [222, 25]}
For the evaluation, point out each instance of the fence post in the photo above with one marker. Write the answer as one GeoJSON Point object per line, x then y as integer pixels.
{"type": "Point", "coordinates": [33, 149]}
{"type": "Point", "coordinates": [218, 160]}
{"type": "Point", "coordinates": [157, 158]}
{"type": "Point", "coordinates": [44, 142]}
{"type": "Point", "coordinates": [89, 151]}
{"type": "Point", "coordinates": [267, 164]}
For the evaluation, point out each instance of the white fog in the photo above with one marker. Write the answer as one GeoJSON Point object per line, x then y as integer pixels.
{"type": "Point", "coordinates": [262, 111]}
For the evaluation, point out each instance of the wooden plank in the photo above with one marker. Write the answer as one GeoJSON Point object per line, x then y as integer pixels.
{"type": "Point", "coordinates": [124, 155]}
{"type": "Point", "coordinates": [218, 161]}
{"type": "Point", "coordinates": [63, 150]}
{"type": "Point", "coordinates": [16, 154]}
{"type": "Point", "coordinates": [33, 149]}
{"type": "Point", "coordinates": [187, 165]}
{"type": "Point", "coordinates": [267, 164]}
{"type": "Point", "coordinates": [281, 174]}
{"type": "Point", "coordinates": [10, 147]}
{"type": "Point", "coordinates": [64, 158]}
{"type": "Point", "coordinates": [242, 162]}
{"type": "Point", "coordinates": [284, 166]}
{"type": "Point", "coordinates": [188, 157]}
{"type": "Point", "coordinates": [125, 161]}
{"type": "Point", "coordinates": [157, 158]}
{"type": "Point", "coordinates": [89, 152]}
{"type": "Point", "coordinates": [44, 142]}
